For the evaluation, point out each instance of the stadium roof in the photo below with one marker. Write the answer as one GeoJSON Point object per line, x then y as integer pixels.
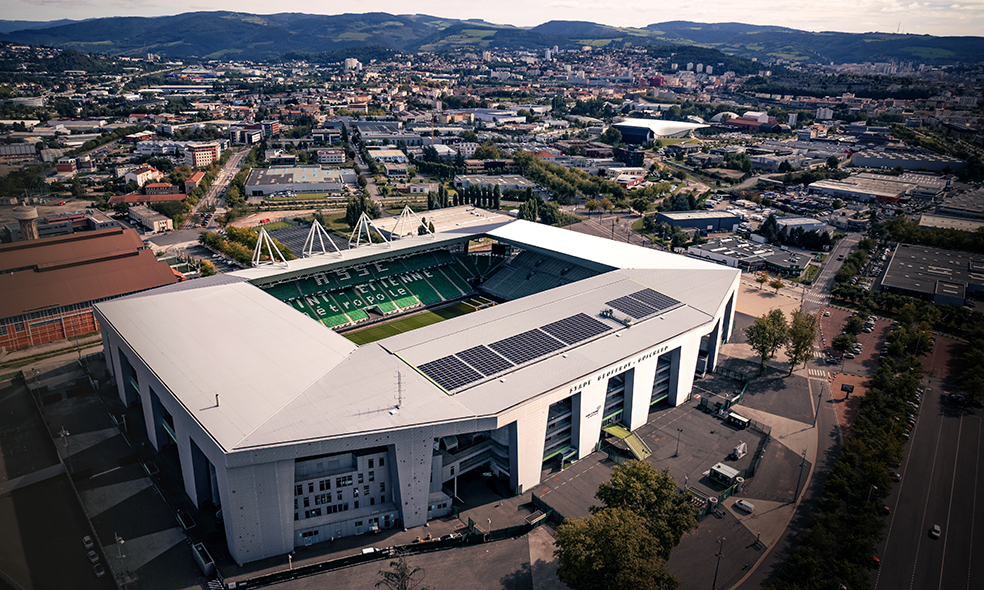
{"type": "Point", "coordinates": [661, 128]}
{"type": "Point", "coordinates": [283, 377]}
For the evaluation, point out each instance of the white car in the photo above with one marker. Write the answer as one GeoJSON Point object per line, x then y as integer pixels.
{"type": "Point", "coordinates": [745, 505]}
{"type": "Point", "coordinates": [934, 533]}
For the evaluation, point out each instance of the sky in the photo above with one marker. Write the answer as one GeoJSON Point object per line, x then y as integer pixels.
{"type": "Point", "coordinates": [934, 17]}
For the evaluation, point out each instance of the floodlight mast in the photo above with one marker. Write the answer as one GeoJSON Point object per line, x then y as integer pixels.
{"type": "Point", "coordinates": [262, 240]}
{"type": "Point", "coordinates": [320, 234]}
{"type": "Point", "coordinates": [366, 226]}
{"type": "Point", "coordinates": [405, 225]}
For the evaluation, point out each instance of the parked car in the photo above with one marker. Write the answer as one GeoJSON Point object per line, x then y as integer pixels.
{"type": "Point", "coordinates": [87, 542]}
{"type": "Point", "coordinates": [934, 533]}
{"type": "Point", "coordinates": [93, 556]}
{"type": "Point", "coordinates": [745, 505]}
{"type": "Point", "coordinates": [99, 570]}
{"type": "Point", "coordinates": [848, 355]}
{"type": "Point", "coordinates": [896, 476]}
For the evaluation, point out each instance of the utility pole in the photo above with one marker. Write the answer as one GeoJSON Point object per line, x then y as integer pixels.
{"type": "Point", "coordinates": [720, 554]}
{"type": "Point", "coordinates": [679, 432]}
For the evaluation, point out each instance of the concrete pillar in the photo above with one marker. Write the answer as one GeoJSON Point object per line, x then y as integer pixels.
{"type": "Point", "coordinates": [412, 453]}
{"type": "Point", "coordinates": [258, 509]}
{"type": "Point", "coordinates": [587, 409]}
{"type": "Point", "coordinates": [713, 346]}
{"type": "Point", "coordinates": [526, 440]}
{"type": "Point", "coordinates": [639, 392]}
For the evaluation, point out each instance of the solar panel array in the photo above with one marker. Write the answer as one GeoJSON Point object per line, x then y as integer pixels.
{"type": "Point", "coordinates": [642, 303]}
{"type": "Point", "coordinates": [484, 360]}
{"type": "Point", "coordinates": [450, 372]}
{"type": "Point", "coordinates": [526, 346]}
{"type": "Point", "coordinates": [575, 328]}
{"type": "Point", "coordinates": [465, 367]}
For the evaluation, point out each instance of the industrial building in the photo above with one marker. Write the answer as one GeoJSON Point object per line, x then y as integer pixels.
{"type": "Point", "coordinates": [751, 256]}
{"type": "Point", "coordinates": [940, 276]}
{"type": "Point", "coordinates": [803, 223]}
{"type": "Point", "coordinates": [968, 205]}
{"type": "Point", "coordinates": [704, 220]}
{"type": "Point", "coordinates": [907, 161]}
{"type": "Point", "coordinates": [49, 285]}
{"type": "Point", "coordinates": [299, 179]}
{"type": "Point", "coordinates": [298, 435]}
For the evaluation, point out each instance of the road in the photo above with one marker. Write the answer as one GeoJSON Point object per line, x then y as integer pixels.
{"type": "Point", "coordinates": [213, 197]}
{"type": "Point", "coordinates": [940, 485]}
{"type": "Point", "coordinates": [818, 295]}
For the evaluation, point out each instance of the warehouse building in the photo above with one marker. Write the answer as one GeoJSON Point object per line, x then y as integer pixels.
{"type": "Point", "coordinates": [907, 161]}
{"type": "Point", "coordinates": [298, 435]}
{"type": "Point", "coordinates": [710, 221]}
{"type": "Point", "coordinates": [940, 276]}
{"type": "Point", "coordinates": [298, 179]}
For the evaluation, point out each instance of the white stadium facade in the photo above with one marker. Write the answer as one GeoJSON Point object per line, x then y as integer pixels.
{"type": "Point", "coordinates": [298, 435]}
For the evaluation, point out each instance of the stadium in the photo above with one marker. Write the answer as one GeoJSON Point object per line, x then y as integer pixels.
{"type": "Point", "coordinates": [343, 393]}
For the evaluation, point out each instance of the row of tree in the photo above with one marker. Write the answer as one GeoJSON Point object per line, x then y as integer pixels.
{"type": "Point", "coordinates": [837, 546]}
{"type": "Point", "coordinates": [772, 331]}
{"type": "Point", "coordinates": [900, 229]}
{"type": "Point", "coordinates": [239, 244]}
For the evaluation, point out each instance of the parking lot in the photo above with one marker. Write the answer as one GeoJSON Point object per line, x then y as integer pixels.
{"type": "Point", "coordinates": [864, 362]}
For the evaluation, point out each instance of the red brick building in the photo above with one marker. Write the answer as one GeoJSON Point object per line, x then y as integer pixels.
{"type": "Point", "coordinates": [50, 285]}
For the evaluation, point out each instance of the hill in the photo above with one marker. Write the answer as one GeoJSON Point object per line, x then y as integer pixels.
{"type": "Point", "coordinates": [230, 35]}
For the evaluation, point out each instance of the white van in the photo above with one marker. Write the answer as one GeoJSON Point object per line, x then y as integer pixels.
{"type": "Point", "coordinates": [745, 505]}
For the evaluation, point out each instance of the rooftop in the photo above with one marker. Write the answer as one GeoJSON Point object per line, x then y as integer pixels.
{"type": "Point", "coordinates": [297, 382]}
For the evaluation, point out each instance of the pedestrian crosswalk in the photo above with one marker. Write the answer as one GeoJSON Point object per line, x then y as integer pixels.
{"type": "Point", "coordinates": [818, 298]}
{"type": "Point", "coordinates": [818, 373]}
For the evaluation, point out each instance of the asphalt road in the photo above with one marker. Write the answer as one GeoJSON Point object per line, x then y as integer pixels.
{"type": "Point", "coordinates": [940, 485]}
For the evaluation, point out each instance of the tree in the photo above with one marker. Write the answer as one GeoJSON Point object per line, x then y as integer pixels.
{"type": "Point", "coordinates": [488, 151]}
{"type": "Point", "coordinates": [802, 336]}
{"type": "Point", "coordinates": [611, 136]}
{"type": "Point", "coordinates": [767, 334]}
{"type": "Point", "coordinates": [207, 268]}
{"type": "Point", "coordinates": [402, 577]}
{"type": "Point", "coordinates": [640, 204]}
{"type": "Point", "coordinates": [654, 495]}
{"type": "Point", "coordinates": [777, 284]}
{"type": "Point", "coordinates": [833, 163]}
{"type": "Point", "coordinates": [843, 343]}
{"type": "Point", "coordinates": [854, 325]}
{"type": "Point", "coordinates": [761, 278]}
{"type": "Point", "coordinates": [529, 211]}
{"type": "Point", "coordinates": [611, 550]}
{"type": "Point", "coordinates": [770, 228]}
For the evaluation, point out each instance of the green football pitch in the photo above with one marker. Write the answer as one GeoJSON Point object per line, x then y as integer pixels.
{"type": "Point", "coordinates": [406, 324]}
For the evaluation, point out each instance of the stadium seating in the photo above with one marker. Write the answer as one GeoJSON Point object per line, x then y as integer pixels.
{"type": "Point", "coordinates": [342, 296]}
{"type": "Point", "coordinates": [284, 291]}
{"type": "Point", "coordinates": [530, 272]}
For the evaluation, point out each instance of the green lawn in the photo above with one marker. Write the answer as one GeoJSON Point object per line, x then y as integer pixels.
{"type": "Point", "coordinates": [406, 324]}
{"type": "Point", "coordinates": [277, 225]}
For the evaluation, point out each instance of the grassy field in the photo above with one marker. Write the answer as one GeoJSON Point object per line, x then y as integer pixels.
{"type": "Point", "coordinates": [406, 324]}
{"type": "Point", "coordinates": [277, 225]}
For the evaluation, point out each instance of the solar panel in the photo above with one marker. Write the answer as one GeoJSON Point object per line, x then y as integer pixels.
{"type": "Point", "coordinates": [450, 372]}
{"type": "Point", "coordinates": [484, 360]}
{"type": "Point", "coordinates": [655, 299]}
{"type": "Point", "coordinates": [575, 328]}
{"type": "Point", "coordinates": [526, 346]}
{"type": "Point", "coordinates": [632, 307]}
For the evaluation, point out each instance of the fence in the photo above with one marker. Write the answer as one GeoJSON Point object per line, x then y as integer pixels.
{"type": "Point", "coordinates": [474, 537]}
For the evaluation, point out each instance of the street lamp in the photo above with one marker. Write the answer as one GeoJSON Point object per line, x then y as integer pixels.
{"type": "Point", "coordinates": [679, 432]}
{"type": "Point", "coordinates": [871, 489]}
{"type": "Point", "coordinates": [68, 453]}
{"type": "Point", "coordinates": [720, 554]}
{"type": "Point", "coordinates": [120, 556]}
{"type": "Point", "coordinates": [817, 414]}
